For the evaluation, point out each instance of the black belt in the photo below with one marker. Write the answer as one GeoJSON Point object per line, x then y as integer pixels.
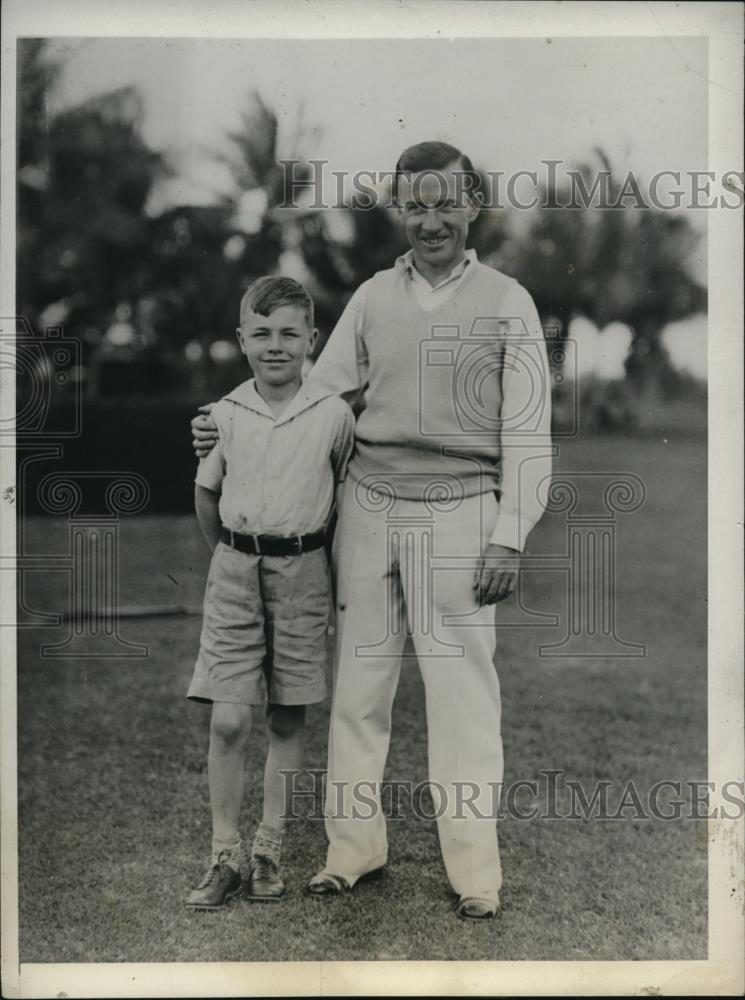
{"type": "Point", "coordinates": [271, 545]}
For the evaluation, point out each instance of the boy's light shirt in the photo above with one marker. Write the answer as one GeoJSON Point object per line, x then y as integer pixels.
{"type": "Point", "coordinates": [526, 461]}
{"type": "Point", "coordinates": [277, 475]}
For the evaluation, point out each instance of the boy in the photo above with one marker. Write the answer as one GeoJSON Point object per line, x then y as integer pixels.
{"type": "Point", "coordinates": [263, 497]}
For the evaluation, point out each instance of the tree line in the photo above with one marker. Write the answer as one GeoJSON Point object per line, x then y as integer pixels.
{"type": "Point", "coordinates": [88, 240]}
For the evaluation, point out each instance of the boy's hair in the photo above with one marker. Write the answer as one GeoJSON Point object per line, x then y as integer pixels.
{"type": "Point", "coordinates": [435, 156]}
{"type": "Point", "coordinates": [269, 293]}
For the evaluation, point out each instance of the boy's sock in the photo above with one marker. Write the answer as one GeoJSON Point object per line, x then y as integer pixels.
{"type": "Point", "coordinates": [267, 842]}
{"type": "Point", "coordinates": [232, 847]}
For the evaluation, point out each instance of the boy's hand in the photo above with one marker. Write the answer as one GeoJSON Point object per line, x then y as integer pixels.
{"type": "Point", "coordinates": [203, 431]}
{"type": "Point", "coordinates": [496, 574]}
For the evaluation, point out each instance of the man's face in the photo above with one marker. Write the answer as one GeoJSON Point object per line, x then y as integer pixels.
{"type": "Point", "coordinates": [436, 212]}
{"type": "Point", "coordinates": [277, 345]}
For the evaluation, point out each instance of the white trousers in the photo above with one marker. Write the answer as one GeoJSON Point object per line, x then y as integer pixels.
{"type": "Point", "coordinates": [407, 566]}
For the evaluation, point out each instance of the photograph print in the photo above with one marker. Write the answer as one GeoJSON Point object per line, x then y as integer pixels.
{"type": "Point", "coordinates": [361, 489]}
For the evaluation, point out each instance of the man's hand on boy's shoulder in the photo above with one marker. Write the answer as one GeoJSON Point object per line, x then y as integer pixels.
{"type": "Point", "coordinates": [203, 431]}
{"type": "Point", "coordinates": [496, 575]}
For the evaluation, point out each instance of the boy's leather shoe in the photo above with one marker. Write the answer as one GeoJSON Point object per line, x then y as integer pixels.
{"type": "Point", "coordinates": [265, 883]}
{"type": "Point", "coordinates": [220, 884]}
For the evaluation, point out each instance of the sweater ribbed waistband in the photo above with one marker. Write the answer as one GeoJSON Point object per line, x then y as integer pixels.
{"type": "Point", "coordinates": [443, 483]}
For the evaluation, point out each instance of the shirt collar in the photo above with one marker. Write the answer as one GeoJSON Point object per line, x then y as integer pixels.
{"type": "Point", "coordinates": [246, 394]}
{"type": "Point", "coordinates": [405, 265]}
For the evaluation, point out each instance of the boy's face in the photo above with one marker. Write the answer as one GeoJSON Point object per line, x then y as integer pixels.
{"type": "Point", "coordinates": [436, 212]}
{"type": "Point", "coordinates": [277, 345]}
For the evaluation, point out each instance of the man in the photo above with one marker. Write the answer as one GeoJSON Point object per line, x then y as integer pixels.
{"type": "Point", "coordinates": [452, 446]}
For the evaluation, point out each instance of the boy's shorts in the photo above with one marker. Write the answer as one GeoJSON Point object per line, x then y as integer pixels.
{"type": "Point", "coordinates": [265, 629]}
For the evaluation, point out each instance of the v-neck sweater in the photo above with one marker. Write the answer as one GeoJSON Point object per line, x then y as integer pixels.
{"type": "Point", "coordinates": [431, 419]}
{"type": "Point", "coordinates": [456, 390]}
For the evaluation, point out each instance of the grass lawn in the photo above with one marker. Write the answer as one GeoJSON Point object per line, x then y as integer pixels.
{"type": "Point", "coordinates": [114, 815]}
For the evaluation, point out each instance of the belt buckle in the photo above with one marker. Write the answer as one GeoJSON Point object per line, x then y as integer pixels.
{"type": "Point", "coordinates": [299, 542]}
{"type": "Point", "coordinates": [257, 544]}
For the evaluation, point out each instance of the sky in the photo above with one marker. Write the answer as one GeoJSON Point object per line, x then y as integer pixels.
{"type": "Point", "coordinates": [510, 103]}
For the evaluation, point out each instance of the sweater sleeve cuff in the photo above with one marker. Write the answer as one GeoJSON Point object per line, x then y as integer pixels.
{"type": "Point", "coordinates": [511, 531]}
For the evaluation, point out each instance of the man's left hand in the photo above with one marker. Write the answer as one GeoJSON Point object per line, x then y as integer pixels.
{"type": "Point", "coordinates": [496, 574]}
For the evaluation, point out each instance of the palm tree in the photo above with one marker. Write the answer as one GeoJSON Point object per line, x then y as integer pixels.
{"type": "Point", "coordinates": [612, 265]}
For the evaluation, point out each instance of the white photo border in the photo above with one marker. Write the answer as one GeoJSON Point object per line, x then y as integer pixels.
{"type": "Point", "coordinates": [722, 23]}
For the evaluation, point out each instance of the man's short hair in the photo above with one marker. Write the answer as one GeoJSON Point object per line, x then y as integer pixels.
{"type": "Point", "coordinates": [435, 156]}
{"type": "Point", "coordinates": [269, 293]}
